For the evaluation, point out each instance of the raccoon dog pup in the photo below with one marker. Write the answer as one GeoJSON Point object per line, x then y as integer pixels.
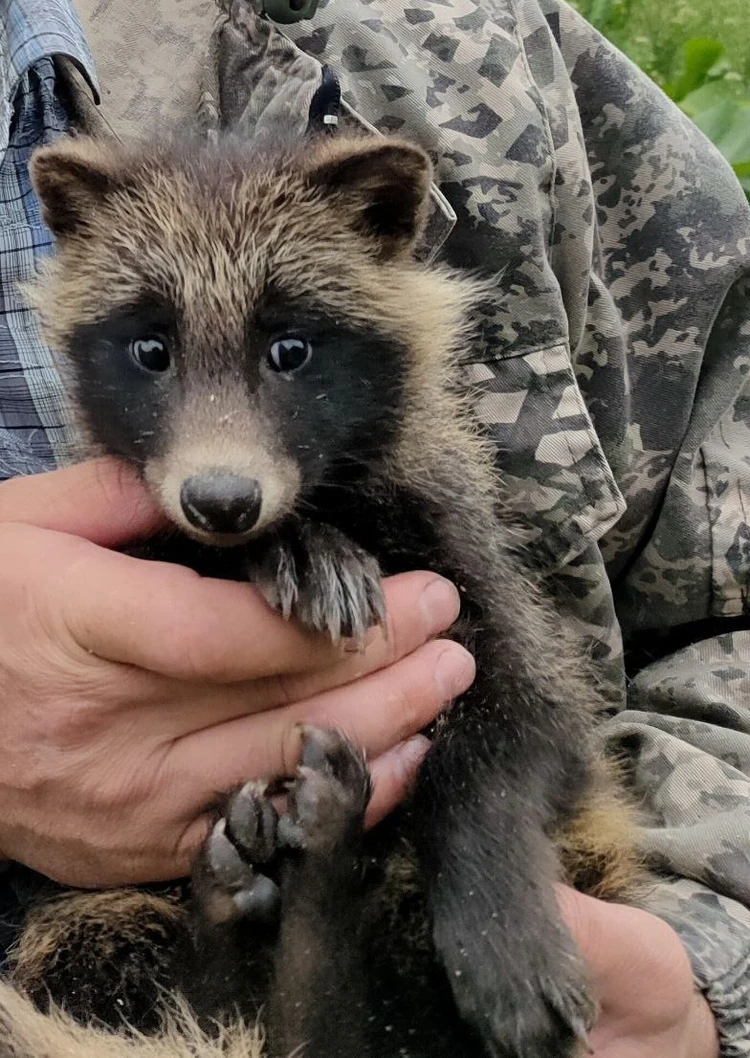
{"type": "Point", "coordinates": [250, 328]}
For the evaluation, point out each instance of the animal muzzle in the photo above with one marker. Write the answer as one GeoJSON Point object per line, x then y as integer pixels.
{"type": "Point", "coordinates": [219, 502]}
{"type": "Point", "coordinates": [223, 493]}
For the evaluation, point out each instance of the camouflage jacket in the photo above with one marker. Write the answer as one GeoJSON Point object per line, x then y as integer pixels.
{"type": "Point", "coordinates": [612, 367]}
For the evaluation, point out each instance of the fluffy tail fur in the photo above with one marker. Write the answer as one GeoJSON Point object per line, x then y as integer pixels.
{"type": "Point", "coordinates": [25, 1033]}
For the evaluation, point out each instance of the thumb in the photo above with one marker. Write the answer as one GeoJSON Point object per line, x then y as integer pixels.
{"type": "Point", "coordinates": [100, 500]}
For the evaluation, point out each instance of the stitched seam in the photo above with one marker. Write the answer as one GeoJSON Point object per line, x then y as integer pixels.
{"type": "Point", "coordinates": [526, 351]}
{"type": "Point", "coordinates": [542, 108]}
{"type": "Point", "coordinates": [712, 555]}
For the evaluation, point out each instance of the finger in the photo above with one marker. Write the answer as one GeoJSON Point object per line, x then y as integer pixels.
{"type": "Point", "coordinates": [381, 710]}
{"type": "Point", "coordinates": [419, 606]}
{"type": "Point", "coordinates": [393, 774]}
{"type": "Point", "coordinates": [167, 619]}
{"type": "Point", "coordinates": [97, 604]}
{"type": "Point", "coordinates": [101, 500]}
{"type": "Point", "coordinates": [411, 619]}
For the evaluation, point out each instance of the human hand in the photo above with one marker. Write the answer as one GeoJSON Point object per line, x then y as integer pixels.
{"type": "Point", "coordinates": [133, 692]}
{"type": "Point", "coordinates": [641, 976]}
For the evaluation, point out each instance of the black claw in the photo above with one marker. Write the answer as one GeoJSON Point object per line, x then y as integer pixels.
{"type": "Point", "coordinates": [327, 750]}
{"type": "Point", "coordinates": [326, 803]}
{"type": "Point", "coordinates": [251, 822]}
{"type": "Point", "coordinates": [377, 606]}
{"type": "Point", "coordinates": [319, 745]}
{"type": "Point", "coordinates": [314, 573]}
{"type": "Point", "coordinates": [226, 864]}
{"type": "Point", "coordinates": [226, 885]}
{"type": "Point", "coordinates": [290, 834]}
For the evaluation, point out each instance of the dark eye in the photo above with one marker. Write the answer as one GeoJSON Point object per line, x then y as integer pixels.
{"type": "Point", "coordinates": [151, 354]}
{"type": "Point", "coordinates": [289, 354]}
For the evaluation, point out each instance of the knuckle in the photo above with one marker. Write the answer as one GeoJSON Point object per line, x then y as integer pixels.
{"type": "Point", "coordinates": [394, 645]}
{"type": "Point", "coordinates": [69, 623]}
{"type": "Point", "coordinates": [128, 787]}
{"type": "Point", "coordinates": [65, 600]}
{"type": "Point", "coordinates": [384, 647]}
{"type": "Point", "coordinates": [410, 697]}
{"type": "Point", "coordinates": [73, 724]}
{"type": "Point", "coordinates": [123, 823]}
{"type": "Point", "coordinates": [281, 689]}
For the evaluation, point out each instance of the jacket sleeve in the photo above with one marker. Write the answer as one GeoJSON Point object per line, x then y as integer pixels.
{"type": "Point", "coordinates": [687, 734]}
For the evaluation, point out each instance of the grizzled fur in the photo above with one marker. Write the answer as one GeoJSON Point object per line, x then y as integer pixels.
{"type": "Point", "coordinates": [439, 933]}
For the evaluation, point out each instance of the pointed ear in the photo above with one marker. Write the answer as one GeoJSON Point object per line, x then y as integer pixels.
{"type": "Point", "coordinates": [72, 177]}
{"type": "Point", "coordinates": [384, 185]}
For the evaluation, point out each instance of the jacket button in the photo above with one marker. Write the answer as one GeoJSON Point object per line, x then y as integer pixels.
{"type": "Point", "coordinates": [285, 12]}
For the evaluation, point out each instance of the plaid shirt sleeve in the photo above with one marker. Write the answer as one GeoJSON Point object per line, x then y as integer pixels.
{"type": "Point", "coordinates": [35, 433]}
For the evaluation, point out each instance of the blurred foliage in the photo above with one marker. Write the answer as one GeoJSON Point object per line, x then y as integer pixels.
{"type": "Point", "coordinates": [698, 51]}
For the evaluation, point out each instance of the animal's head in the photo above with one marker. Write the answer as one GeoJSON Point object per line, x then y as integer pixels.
{"type": "Point", "coordinates": [242, 325]}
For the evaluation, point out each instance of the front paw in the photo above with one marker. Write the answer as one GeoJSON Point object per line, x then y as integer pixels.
{"type": "Point", "coordinates": [316, 574]}
{"type": "Point", "coordinates": [524, 991]}
{"type": "Point", "coordinates": [227, 882]}
{"type": "Point", "coordinates": [327, 800]}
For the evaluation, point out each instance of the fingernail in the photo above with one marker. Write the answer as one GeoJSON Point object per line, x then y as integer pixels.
{"type": "Point", "coordinates": [454, 671]}
{"type": "Point", "coordinates": [440, 603]}
{"type": "Point", "coordinates": [412, 750]}
{"type": "Point", "coordinates": [408, 757]}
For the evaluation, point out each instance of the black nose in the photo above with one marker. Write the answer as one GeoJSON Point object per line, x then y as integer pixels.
{"type": "Point", "coordinates": [221, 503]}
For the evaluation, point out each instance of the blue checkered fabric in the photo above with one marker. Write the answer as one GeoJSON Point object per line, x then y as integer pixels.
{"type": "Point", "coordinates": [34, 434]}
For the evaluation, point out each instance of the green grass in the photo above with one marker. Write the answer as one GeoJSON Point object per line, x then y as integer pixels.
{"type": "Point", "coordinates": [698, 51]}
